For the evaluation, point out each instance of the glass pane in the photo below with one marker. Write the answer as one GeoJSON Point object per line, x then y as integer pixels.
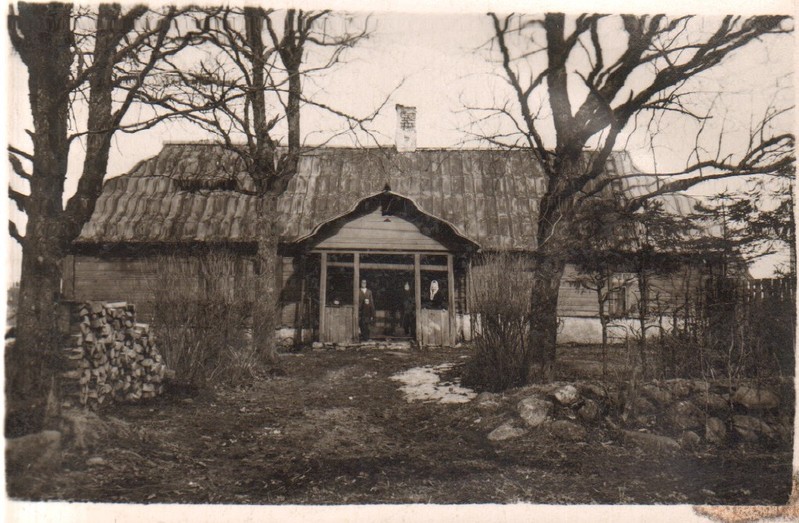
{"type": "Point", "coordinates": [434, 259]}
{"type": "Point", "coordinates": [398, 259]}
{"type": "Point", "coordinates": [339, 286]}
{"type": "Point", "coordinates": [434, 290]}
{"type": "Point", "coordinates": [339, 257]}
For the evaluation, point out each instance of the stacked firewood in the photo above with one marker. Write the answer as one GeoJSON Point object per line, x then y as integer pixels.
{"type": "Point", "coordinates": [114, 358]}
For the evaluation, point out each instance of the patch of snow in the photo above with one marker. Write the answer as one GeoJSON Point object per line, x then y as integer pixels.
{"type": "Point", "coordinates": [424, 384]}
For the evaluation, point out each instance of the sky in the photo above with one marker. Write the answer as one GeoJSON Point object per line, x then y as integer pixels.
{"type": "Point", "coordinates": [438, 63]}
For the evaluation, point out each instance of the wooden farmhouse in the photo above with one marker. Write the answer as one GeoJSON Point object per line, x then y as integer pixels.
{"type": "Point", "coordinates": [388, 216]}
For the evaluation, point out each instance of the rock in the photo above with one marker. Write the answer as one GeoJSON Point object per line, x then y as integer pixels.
{"type": "Point", "coordinates": [534, 410]}
{"type": "Point", "coordinates": [567, 430]}
{"type": "Point", "coordinates": [589, 411]}
{"type": "Point", "coordinates": [650, 441]}
{"type": "Point", "coordinates": [689, 440]}
{"type": "Point", "coordinates": [593, 389]}
{"type": "Point", "coordinates": [750, 428]}
{"type": "Point", "coordinates": [755, 399]}
{"type": "Point", "coordinates": [317, 345]}
{"type": "Point", "coordinates": [680, 388]}
{"type": "Point", "coordinates": [34, 452]}
{"type": "Point", "coordinates": [485, 397]}
{"type": "Point", "coordinates": [566, 395]}
{"type": "Point", "coordinates": [700, 386]}
{"type": "Point", "coordinates": [712, 402]}
{"type": "Point", "coordinates": [644, 406]}
{"type": "Point", "coordinates": [96, 461]}
{"type": "Point", "coordinates": [505, 431]}
{"type": "Point", "coordinates": [685, 415]}
{"type": "Point", "coordinates": [487, 401]}
{"type": "Point", "coordinates": [657, 394]}
{"type": "Point", "coordinates": [715, 431]}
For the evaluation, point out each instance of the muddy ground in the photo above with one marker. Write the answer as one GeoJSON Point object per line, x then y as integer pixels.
{"type": "Point", "coordinates": [335, 429]}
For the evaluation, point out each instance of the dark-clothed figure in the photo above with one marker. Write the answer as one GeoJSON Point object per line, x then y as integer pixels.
{"type": "Point", "coordinates": [436, 298]}
{"type": "Point", "coordinates": [408, 311]}
{"type": "Point", "coordinates": [366, 310]}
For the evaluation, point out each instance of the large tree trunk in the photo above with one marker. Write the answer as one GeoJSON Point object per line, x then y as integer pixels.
{"type": "Point", "coordinates": [543, 320]}
{"type": "Point", "coordinates": [34, 360]}
{"type": "Point", "coordinates": [34, 370]}
{"type": "Point", "coordinates": [265, 309]}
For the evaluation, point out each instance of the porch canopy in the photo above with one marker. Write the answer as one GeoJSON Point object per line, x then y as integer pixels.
{"type": "Point", "coordinates": [387, 239]}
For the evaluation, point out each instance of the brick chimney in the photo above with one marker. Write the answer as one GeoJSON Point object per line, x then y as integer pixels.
{"type": "Point", "coordinates": [406, 129]}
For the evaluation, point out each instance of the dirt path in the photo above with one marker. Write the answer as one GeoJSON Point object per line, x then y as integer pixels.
{"type": "Point", "coordinates": [336, 429]}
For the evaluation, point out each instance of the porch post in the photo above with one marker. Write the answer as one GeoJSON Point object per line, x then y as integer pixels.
{"type": "Point", "coordinates": [356, 284]}
{"type": "Point", "coordinates": [323, 298]}
{"type": "Point", "coordinates": [451, 296]}
{"type": "Point", "coordinates": [417, 289]}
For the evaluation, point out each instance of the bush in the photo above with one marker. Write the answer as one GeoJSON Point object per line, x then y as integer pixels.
{"type": "Point", "coordinates": [500, 290]}
{"type": "Point", "coordinates": [202, 313]}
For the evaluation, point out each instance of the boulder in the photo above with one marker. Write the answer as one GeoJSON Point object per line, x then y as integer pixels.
{"type": "Point", "coordinates": [534, 410]}
{"type": "Point", "coordinates": [567, 431]}
{"type": "Point", "coordinates": [700, 386]}
{"type": "Point", "coordinates": [589, 411]}
{"type": "Point", "coordinates": [317, 345]}
{"type": "Point", "coordinates": [505, 431]}
{"type": "Point", "coordinates": [680, 388]}
{"type": "Point", "coordinates": [650, 441]}
{"type": "Point", "coordinates": [746, 427]}
{"type": "Point", "coordinates": [644, 406]}
{"type": "Point", "coordinates": [34, 452]}
{"type": "Point", "coordinates": [593, 389]}
{"type": "Point", "coordinates": [685, 415]}
{"type": "Point", "coordinates": [715, 431]}
{"type": "Point", "coordinates": [487, 401]}
{"type": "Point", "coordinates": [655, 393]}
{"type": "Point", "coordinates": [96, 461]}
{"type": "Point", "coordinates": [750, 428]}
{"type": "Point", "coordinates": [755, 399]}
{"type": "Point", "coordinates": [712, 402]}
{"type": "Point", "coordinates": [689, 440]}
{"type": "Point", "coordinates": [566, 395]}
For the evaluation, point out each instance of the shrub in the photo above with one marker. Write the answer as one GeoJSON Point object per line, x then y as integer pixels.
{"type": "Point", "coordinates": [202, 312]}
{"type": "Point", "coordinates": [503, 357]}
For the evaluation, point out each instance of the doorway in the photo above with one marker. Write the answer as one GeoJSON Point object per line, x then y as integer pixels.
{"type": "Point", "coordinates": [393, 304]}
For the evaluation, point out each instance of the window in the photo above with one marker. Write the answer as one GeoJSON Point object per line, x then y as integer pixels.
{"type": "Point", "coordinates": [617, 296]}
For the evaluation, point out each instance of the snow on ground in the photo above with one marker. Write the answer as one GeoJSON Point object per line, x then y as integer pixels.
{"type": "Point", "coordinates": [424, 384]}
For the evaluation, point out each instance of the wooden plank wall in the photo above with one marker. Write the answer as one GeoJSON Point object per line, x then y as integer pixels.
{"type": "Point", "coordinates": [435, 327]}
{"type": "Point", "coordinates": [375, 231]}
{"type": "Point", "coordinates": [338, 324]}
{"type": "Point", "coordinates": [116, 279]}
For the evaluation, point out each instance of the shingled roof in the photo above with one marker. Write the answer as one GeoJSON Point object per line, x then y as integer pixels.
{"type": "Point", "coordinates": [188, 193]}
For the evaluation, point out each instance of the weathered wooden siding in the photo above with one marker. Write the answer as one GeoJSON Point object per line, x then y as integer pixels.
{"type": "Point", "coordinates": [435, 326]}
{"type": "Point", "coordinates": [338, 324]}
{"type": "Point", "coordinates": [290, 278]}
{"type": "Point", "coordinates": [116, 279]}
{"type": "Point", "coordinates": [375, 231]}
{"type": "Point", "coordinates": [573, 300]}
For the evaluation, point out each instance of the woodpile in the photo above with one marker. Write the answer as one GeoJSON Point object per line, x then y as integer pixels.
{"type": "Point", "coordinates": [112, 357]}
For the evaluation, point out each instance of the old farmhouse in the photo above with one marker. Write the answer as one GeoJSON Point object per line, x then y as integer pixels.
{"type": "Point", "coordinates": [398, 218]}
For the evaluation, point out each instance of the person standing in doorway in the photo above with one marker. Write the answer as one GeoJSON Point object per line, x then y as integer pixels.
{"type": "Point", "coordinates": [408, 311]}
{"type": "Point", "coordinates": [366, 310]}
{"type": "Point", "coordinates": [436, 300]}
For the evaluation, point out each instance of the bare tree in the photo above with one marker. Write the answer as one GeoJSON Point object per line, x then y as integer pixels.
{"type": "Point", "coordinates": [85, 70]}
{"type": "Point", "coordinates": [249, 91]}
{"type": "Point", "coordinates": [588, 79]}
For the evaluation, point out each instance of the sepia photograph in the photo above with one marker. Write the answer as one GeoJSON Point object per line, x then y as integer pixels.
{"type": "Point", "coordinates": [298, 254]}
